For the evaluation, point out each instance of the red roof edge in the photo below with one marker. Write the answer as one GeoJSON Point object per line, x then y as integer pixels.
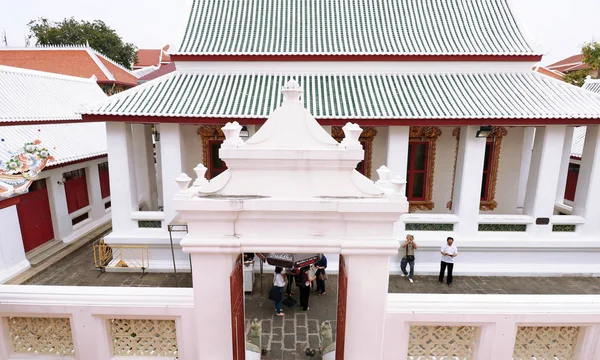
{"type": "Point", "coordinates": [138, 119]}
{"type": "Point", "coordinates": [197, 57]}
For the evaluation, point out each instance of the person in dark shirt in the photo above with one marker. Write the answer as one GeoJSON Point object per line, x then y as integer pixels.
{"type": "Point", "coordinates": [321, 265]}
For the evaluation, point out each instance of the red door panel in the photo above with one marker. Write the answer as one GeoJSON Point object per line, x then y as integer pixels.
{"type": "Point", "coordinates": [76, 193]}
{"type": "Point", "coordinates": [35, 217]}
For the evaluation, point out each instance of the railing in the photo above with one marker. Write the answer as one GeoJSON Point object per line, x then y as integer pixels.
{"type": "Point", "coordinates": [39, 322]}
{"type": "Point", "coordinates": [120, 256]}
{"type": "Point", "coordinates": [504, 223]}
{"type": "Point", "coordinates": [429, 222]}
{"type": "Point", "coordinates": [494, 327]}
{"type": "Point", "coordinates": [566, 223]}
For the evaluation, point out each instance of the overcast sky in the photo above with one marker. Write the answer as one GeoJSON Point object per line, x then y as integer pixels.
{"type": "Point", "coordinates": [561, 27]}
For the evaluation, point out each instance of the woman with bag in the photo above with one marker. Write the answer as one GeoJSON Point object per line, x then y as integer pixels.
{"type": "Point", "coordinates": [321, 275]}
{"type": "Point", "coordinates": [276, 293]}
{"type": "Point", "coordinates": [307, 278]}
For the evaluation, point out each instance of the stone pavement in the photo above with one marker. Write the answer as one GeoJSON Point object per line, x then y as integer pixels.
{"type": "Point", "coordinates": [498, 285]}
{"type": "Point", "coordinates": [288, 337]}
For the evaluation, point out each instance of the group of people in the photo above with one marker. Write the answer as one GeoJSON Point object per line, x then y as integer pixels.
{"type": "Point", "coordinates": [448, 250]}
{"type": "Point", "coordinates": [304, 278]}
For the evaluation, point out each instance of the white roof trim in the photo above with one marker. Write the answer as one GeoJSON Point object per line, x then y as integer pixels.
{"type": "Point", "coordinates": [99, 63]}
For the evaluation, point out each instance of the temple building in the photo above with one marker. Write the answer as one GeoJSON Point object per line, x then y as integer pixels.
{"type": "Point", "coordinates": [447, 105]}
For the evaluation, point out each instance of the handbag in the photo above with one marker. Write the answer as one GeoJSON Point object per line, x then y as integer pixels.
{"type": "Point", "coordinates": [275, 294]}
{"type": "Point", "coordinates": [323, 275]}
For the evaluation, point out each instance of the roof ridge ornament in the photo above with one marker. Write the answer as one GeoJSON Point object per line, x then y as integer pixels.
{"type": "Point", "coordinates": [292, 91]}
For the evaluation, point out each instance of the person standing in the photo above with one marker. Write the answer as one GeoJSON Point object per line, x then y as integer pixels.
{"type": "Point", "coordinates": [290, 273]}
{"type": "Point", "coordinates": [321, 265]}
{"type": "Point", "coordinates": [409, 247]}
{"type": "Point", "coordinates": [449, 252]}
{"type": "Point", "coordinates": [307, 277]}
{"type": "Point", "coordinates": [278, 285]}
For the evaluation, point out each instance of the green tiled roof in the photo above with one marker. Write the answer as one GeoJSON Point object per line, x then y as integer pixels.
{"type": "Point", "coordinates": [353, 27]}
{"type": "Point", "coordinates": [527, 95]}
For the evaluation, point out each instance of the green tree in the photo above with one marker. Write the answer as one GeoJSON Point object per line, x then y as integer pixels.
{"type": "Point", "coordinates": [72, 32]}
{"type": "Point", "coordinates": [576, 77]}
{"type": "Point", "coordinates": [591, 56]}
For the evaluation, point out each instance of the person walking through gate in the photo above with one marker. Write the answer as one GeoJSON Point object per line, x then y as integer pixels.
{"type": "Point", "coordinates": [307, 277]}
{"type": "Point", "coordinates": [278, 285]}
{"type": "Point", "coordinates": [449, 252]}
{"type": "Point", "coordinates": [321, 275]}
{"type": "Point", "coordinates": [409, 247]}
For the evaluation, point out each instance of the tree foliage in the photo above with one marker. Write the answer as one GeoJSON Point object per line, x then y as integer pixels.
{"type": "Point", "coordinates": [72, 32]}
{"type": "Point", "coordinates": [576, 77]}
{"type": "Point", "coordinates": [591, 55]}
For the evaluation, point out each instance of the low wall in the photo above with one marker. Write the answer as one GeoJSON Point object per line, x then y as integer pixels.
{"type": "Point", "coordinates": [493, 327]}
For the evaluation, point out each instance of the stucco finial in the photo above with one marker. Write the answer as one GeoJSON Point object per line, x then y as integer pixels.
{"type": "Point", "coordinates": [351, 134]}
{"type": "Point", "coordinates": [183, 181]}
{"type": "Point", "coordinates": [231, 130]}
{"type": "Point", "coordinates": [292, 91]}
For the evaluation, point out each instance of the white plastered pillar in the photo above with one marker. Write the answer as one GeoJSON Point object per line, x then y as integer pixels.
{"type": "Point", "coordinates": [159, 187]}
{"type": "Point", "coordinates": [467, 182]}
{"type": "Point", "coordinates": [528, 135]}
{"type": "Point", "coordinates": [397, 150]}
{"type": "Point", "coordinates": [61, 220]}
{"type": "Point", "coordinates": [366, 304]}
{"type": "Point", "coordinates": [588, 184]}
{"type": "Point", "coordinates": [12, 251]}
{"type": "Point", "coordinates": [145, 169]}
{"type": "Point", "coordinates": [123, 183]}
{"type": "Point", "coordinates": [564, 165]}
{"type": "Point", "coordinates": [93, 178]}
{"type": "Point", "coordinates": [170, 147]}
{"type": "Point", "coordinates": [543, 176]}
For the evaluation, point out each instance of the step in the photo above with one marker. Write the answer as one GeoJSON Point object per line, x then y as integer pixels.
{"type": "Point", "coordinates": [45, 253]}
{"type": "Point", "coordinates": [40, 249]}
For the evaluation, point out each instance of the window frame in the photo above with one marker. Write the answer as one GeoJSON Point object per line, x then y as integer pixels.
{"type": "Point", "coordinates": [429, 134]}
{"type": "Point", "coordinates": [486, 187]}
{"type": "Point", "coordinates": [411, 170]}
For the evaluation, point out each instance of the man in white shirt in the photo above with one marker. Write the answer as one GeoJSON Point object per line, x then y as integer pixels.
{"type": "Point", "coordinates": [449, 252]}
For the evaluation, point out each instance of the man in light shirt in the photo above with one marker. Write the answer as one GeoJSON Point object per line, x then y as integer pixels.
{"type": "Point", "coordinates": [449, 252]}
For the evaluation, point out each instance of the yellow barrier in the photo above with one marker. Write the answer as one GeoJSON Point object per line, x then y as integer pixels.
{"type": "Point", "coordinates": [121, 256]}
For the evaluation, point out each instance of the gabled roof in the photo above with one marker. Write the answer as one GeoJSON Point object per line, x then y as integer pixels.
{"type": "Point", "coordinates": [143, 71]}
{"type": "Point", "coordinates": [65, 142]}
{"type": "Point", "coordinates": [78, 61]}
{"type": "Point", "coordinates": [552, 73]}
{"type": "Point", "coordinates": [152, 57]}
{"type": "Point", "coordinates": [353, 27]}
{"type": "Point", "coordinates": [164, 70]}
{"type": "Point", "coordinates": [507, 98]}
{"type": "Point", "coordinates": [34, 96]}
{"type": "Point", "coordinates": [571, 63]}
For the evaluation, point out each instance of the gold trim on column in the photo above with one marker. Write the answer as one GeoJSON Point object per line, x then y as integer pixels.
{"type": "Point", "coordinates": [368, 135]}
{"type": "Point", "coordinates": [207, 133]}
{"type": "Point", "coordinates": [498, 132]}
{"type": "Point", "coordinates": [429, 134]}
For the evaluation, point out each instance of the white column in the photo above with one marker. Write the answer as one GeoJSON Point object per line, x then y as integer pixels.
{"type": "Point", "coordinates": [123, 184]}
{"type": "Point", "coordinates": [503, 341]}
{"type": "Point", "coordinates": [214, 340]}
{"type": "Point", "coordinates": [93, 178]}
{"type": "Point", "coordinates": [564, 165]}
{"type": "Point", "coordinates": [543, 176]}
{"type": "Point", "coordinates": [467, 182]}
{"type": "Point", "coordinates": [159, 187]}
{"type": "Point", "coordinates": [61, 220]}
{"type": "Point", "coordinates": [397, 150]}
{"type": "Point", "coordinates": [12, 252]}
{"type": "Point", "coordinates": [145, 169]}
{"type": "Point", "coordinates": [528, 135]}
{"type": "Point", "coordinates": [588, 183]}
{"type": "Point", "coordinates": [366, 305]}
{"type": "Point", "coordinates": [170, 142]}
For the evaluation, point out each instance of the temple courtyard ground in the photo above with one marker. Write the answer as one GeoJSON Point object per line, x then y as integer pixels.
{"type": "Point", "coordinates": [287, 338]}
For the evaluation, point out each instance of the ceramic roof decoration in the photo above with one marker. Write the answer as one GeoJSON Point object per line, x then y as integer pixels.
{"type": "Point", "coordinates": [81, 61]}
{"type": "Point", "coordinates": [65, 142]}
{"type": "Point", "coordinates": [353, 27]}
{"type": "Point", "coordinates": [34, 96]}
{"type": "Point", "coordinates": [527, 95]}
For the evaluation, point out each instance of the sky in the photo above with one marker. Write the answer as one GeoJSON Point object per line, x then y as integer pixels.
{"type": "Point", "coordinates": [560, 27]}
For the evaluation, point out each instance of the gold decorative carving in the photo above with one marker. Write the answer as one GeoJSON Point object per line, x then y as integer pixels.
{"type": "Point", "coordinates": [144, 337]}
{"type": "Point", "coordinates": [49, 336]}
{"type": "Point", "coordinates": [367, 136]}
{"type": "Point", "coordinates": [207, 133]}
{"type": "Point", "coordinates": [438, 342]}
{"type": "Point", "coordinates": [546, 342]}
{"type": "Point", "coordinates": [429, 134]}
{"type": "Point", "coordinates": [496, 135]}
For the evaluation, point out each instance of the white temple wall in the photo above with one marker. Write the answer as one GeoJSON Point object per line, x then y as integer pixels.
{"type": "Point", "coordinates": [12, 253]}
{"type": "Point", "coordinates": [379, 151]}
{"type": "Point", "coordinates": [191, 149]}
{"type": "Point", "coordinates": [507, 183]}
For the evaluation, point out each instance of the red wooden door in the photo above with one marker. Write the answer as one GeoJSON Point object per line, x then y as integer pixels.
{"type": "Point", "coordinates": [35, 218]}
{"type": "Point", "coordinates": [76, 190]}
{"type": "Point", "coordinates": [104, 180]}
{"type": "Point", "coordinates": [340, 338]}
{"type": "Point", "coordinates": [236, 286]}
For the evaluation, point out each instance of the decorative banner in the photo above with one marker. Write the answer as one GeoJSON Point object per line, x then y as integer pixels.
{"type": "Point", "coordinates": [17, 174]}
